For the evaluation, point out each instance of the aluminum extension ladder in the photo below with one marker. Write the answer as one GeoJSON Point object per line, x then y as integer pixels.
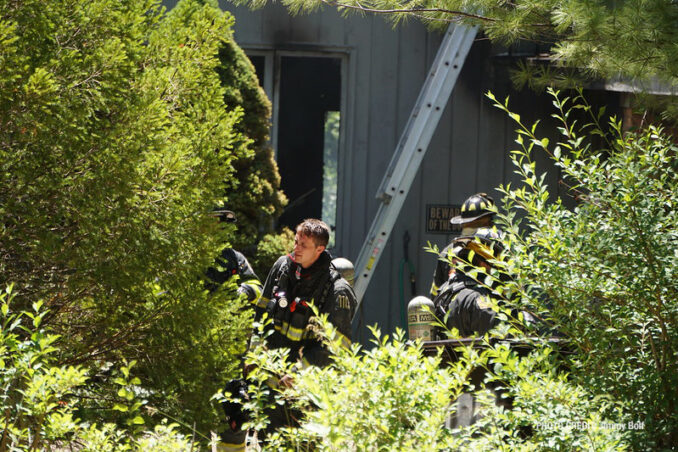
{"type": "Point", "coordinates": [411, 148]}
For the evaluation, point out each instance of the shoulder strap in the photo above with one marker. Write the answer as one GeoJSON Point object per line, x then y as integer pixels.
{"type": "Point", "coordinates": [283, 277]}
{"type": "Point", "coordinates": [324, 289]}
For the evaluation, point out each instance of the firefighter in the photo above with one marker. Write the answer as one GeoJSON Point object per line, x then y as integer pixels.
{"type": "Point", "coordinates": [233, 263]}
{"type": "Point", "coordinates": [304, 277]}
{"type": "Point", "coordinates": [476, 212]}
{"type": "Point", "coordinates": [465, 300]}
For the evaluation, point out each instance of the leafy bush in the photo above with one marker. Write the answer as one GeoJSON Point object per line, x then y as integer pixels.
{"type": "Point", "coordinates": [388, 398]}
{"type": "Point", "coordinates": [270, 248]}
{"type": "Point", "coordinates": [40, 399]}
{"type": "Point", "coordinates": [115, 145]}
{"type": "Point", "coordinates": [258, 198]}
{"type": "Point", "coordinates": [392, 397]}
{"type": "Point", "coordinates": [604, 274]}
{"type": "Point", "coordinates": [546, 411]}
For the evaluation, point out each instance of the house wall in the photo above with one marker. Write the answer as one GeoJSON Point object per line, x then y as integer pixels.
{"type": "Point", "coordinates": [384, 71]}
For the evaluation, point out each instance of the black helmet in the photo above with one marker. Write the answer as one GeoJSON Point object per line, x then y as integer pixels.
{"type": "Point", "coordinates": [227, 216]}
{"type": "Point", "coordinates": [477, 206]}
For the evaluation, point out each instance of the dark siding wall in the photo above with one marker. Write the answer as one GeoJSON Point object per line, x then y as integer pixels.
{"type": "Point", "coordinates": [385, 70]}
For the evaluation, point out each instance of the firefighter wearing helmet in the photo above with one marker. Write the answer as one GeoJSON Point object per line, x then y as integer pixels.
{"type": "Point", "coordinates": [232, 263]}
{"type": "Point", "coordinates": [298, 282]}
{"type": "Point", "coordinates": [466, 300]}
{"type": "Point", "coordinates": [477, 212]}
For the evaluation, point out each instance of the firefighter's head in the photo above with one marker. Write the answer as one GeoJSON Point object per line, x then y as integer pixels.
{"type": "Point", "coordinates": [477, 212]}
{"type": "Point", "coordinates": [310, 240]}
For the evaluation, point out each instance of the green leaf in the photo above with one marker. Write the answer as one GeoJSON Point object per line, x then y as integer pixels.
{"type": "Point", "coordinates": [138, 420]}
{"type": "Point", "coordinates": [120, 407]}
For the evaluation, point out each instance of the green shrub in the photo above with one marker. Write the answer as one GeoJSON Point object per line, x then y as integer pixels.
{"type": "Point", "coordinates": [258, 199]}
{"type": "Point", "coordinates": [115, 144]}
{"type": "Point", "coordinates": [603, 274]}
{"type": "Point", "coordinates": [393, 397]}
{"type": "Point", "coordinates": [546, 411]}
{"type": "Point", "coordinates": [270, 248]}
{"type": "Point", "coordinates": [388, 398]}
{"type": "Point", "coordinates": [40, 399]}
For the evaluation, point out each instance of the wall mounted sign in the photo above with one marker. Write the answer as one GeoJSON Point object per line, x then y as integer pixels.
{"type": "Point", "coordinates": [438, 218]}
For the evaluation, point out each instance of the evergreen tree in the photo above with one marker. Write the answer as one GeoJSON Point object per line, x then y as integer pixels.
{"type": "Point", "coordinates": [115, 144]}
{"type": "Point", "coordinates": [258, 198]}
{"type": "Point", "coordinates": [634, 39]}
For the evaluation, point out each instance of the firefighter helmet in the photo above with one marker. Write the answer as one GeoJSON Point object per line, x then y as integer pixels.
{"type": "Point", "coordinates": [345, 268]}
{"type": "Point", "coordinates": [476, 206]}
{"type": "Point", "coordinates": [227, 216]}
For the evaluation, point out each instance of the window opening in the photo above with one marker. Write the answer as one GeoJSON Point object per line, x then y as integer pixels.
{"type": "Point", "coordinates": [308, 136]}
{"type": "Point", "coordinates": [330, 173]}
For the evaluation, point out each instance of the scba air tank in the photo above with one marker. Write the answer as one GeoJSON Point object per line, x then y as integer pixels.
{"type": "Point", "coordinates": [420, 319]}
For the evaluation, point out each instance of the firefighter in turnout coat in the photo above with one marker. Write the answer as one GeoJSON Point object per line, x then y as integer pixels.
{"type": "Point", "coordinates": [305, 277]}
{"type": "Point", "coordinates": [232, 263]}
{"type": "Point", "coordinates": [477, 212]}
{"type": "Point", "coordinates": [296, 281]}
{"type": "Point", "coordinates": [465, 300]}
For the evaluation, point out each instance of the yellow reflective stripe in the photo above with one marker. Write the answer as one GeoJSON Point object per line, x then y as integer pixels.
{"type": "Point", "coordinates": [294, 333]}
{"type": "Point", "coordinates": [282, 328]}
{"type": "Point", "coordinates": [434, 289]}
{"type": "Point", "coordinates": [345, 341]}
{"type": "Point", "coordinates": [262, 301]}
{"type": "Point", "coordinates": [256, 287]}
{"type": "Point", "coordinates": [227, 447]}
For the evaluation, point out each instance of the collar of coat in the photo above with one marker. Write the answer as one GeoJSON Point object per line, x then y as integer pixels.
{"type": "Point", "coordinates": [319, 267]}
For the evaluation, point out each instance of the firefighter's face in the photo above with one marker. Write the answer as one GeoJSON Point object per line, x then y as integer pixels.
{"type": "Point", "coordinates": [306, 252]}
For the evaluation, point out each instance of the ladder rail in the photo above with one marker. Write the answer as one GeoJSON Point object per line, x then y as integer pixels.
{"type": "Point", "coordinates": [411, 148]}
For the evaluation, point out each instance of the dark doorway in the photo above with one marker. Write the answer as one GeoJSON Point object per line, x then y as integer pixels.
{"type": "Point", "coordinates": [308, 124]}
{"type": "Point", "coordinates": [259, 63]}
